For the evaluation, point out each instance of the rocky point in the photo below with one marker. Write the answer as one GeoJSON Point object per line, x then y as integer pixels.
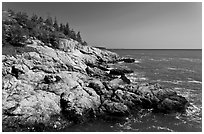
{"type": "Point", "coordinates": [43, 86]}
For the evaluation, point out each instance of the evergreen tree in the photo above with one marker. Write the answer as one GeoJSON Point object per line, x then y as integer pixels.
{"type": "Point", "coordinates": [55, 25]}
{"type": "Point", "coordinates": [21, 18]}
{"type": "Point", "coordinates": [73, 34]}
{"type": "Point", "coordinates": [32, 23]}
{"type": "Point", "coordinates": [61, 28]}
{"type": "Point", "coordinates": [49, 21]}
{"type": "Point", "coordinates": [78, 37]}
{"type": "Point", "coordinates": [67, 30]}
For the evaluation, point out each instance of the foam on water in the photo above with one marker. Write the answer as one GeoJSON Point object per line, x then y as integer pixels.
{"type": "Point", "coordinates": [194, 81]}
{"type": "Point", "coordinates": [160, 59]}
{"type": "Point", "coordinates": [137, 61]}
{"type": "Point", "coordinates": [176, 69]}
{"type": "Point", "coordinates": [191, 59]}
{"type": "Point", "coordinates": [173, 82]}
{"type": "Point", "coordinates": [180, 69]}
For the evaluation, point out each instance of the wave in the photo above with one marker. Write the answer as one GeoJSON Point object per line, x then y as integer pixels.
{"type": "Point", "coordinates": [194, 113]}
{"type": "Point", "coordinates": [173, 82]}
{"type": "Point", "coordinates": [180, 69]}
{"type": "Point", "coordinates": [178, 81]}
{"type": "Point", "coordinates": [136, 77]}
{"type": "Point", "coordinates": [162, 59]}
{"type": "Point", "coordinates": [137, 61]}
{"type": "Point", "coordinates": [120, 62]}
{"type": "Point", "coordinates": [163, 128]}
{"type": "Point", "coordinates": [191, 60]}
{"type": "Point", "coordinates": [194, 81]}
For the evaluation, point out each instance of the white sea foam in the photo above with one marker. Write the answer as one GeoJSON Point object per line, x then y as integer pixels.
{"type": "Point", "coordinates": [107, 72]}
{"type": "Point", "coordinates": [164, 128]}
{"type": "Point", "coordinates": [120, 62]}
{"type": "Point", "coordinates": [163, 59]}
{"type": "Point", "coordinates": [191, 60]}
{"type": "Point", "coordinates": [180, 69]}
{"type": "Point", "coordinates": [195, 81]}
{"type": "Point", "coordinates": [193, 112]}
{"type": "Point", "coordinates": [137, 61]}
{"type": "Point", "coordinates": [110, 68]}
{"type": "Point", "coordinates": [171, 68]}
{"type": "Point", "coordinates": [173, 82]}
{"type": "Point", "coordinates": [135, 79]}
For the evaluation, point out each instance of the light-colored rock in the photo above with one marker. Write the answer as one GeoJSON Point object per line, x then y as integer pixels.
{"type": "Point", "coordinates": [79, 103]}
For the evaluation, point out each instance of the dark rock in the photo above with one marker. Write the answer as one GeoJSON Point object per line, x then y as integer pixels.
{"type": "Point", "coordinates": [116, 108]}
{"type": "Point", "coordinates": [128, 60]}
{"type": "Point", "coordinates": [125, 79]}
{"type": "Point", "coordinates": [102, 67]}
{"type": "Point", "coordinates": [16, 71]}
{"type": "Point", "coordinates": [89, 70]}
{"type": "Point", "coordinates": [51, 79]}
{"type": "Point", "coordinates": [161, 94]}
{"type": "Point", "coordinates": [172, 104]}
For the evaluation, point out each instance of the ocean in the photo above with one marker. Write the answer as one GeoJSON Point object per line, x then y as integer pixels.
{"type": "Point", "coordinates": [180, 70]}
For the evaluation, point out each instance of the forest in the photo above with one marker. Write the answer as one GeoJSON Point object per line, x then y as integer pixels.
{"type": "Point", "coordinates": [17, 27]}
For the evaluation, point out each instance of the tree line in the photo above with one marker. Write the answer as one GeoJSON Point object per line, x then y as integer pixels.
{"type": "Point", "coordinates": [20, 27]}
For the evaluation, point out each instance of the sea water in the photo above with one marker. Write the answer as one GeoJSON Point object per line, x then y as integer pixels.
{"type": "Point", "coordinates": [180, 70]}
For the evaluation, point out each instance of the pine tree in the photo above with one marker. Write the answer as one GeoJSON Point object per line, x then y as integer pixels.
{"type": "Point", "coordinates": [61, 28]}
{"type": "Point", "coordinates": [55, 25]}
{"type": "Point", "coordinates": [73, 34]}
{"type": "Point", "coordinates": [49, 21]}
{"type": "Point", "coordinates": [32, 23]}
{"type": "Point", "coordinates": [78, 37]}
{"type": "Point", "coordinates": [21, 18]}
{"type": "Point", "coordinates": [67, 30]}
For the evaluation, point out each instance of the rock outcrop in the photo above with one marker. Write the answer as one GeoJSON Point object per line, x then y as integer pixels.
{"type": "Point", "coordinates": [73, 82]}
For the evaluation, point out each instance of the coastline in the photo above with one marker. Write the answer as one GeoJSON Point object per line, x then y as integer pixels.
{"type": "Point", "coordinates": [53, 88]}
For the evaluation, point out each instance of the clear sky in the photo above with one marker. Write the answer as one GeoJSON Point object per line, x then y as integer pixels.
{"type": "Point", "coordinates": [127, 25]}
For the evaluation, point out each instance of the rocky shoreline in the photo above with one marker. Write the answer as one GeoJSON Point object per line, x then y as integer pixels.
{"type": "Point", "coordinates": [45, 87]}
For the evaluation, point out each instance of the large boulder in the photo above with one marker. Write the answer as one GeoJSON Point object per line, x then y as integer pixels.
{"type": "Point", "coordinates": [172, 104]}
{"type": "Point", "coordinates": [20, 99]}
{"type": "Point", "coordinates": [128, 60]}
{"type": "Point", "coordinates": [98, 86]}
{"type": "Point", "coordinates": [79, 104]}
{"type": "Point", "coordinates": [115, 108]}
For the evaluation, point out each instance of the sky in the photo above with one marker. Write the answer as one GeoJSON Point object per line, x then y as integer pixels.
{"type": "Point", "coordinates": [135, 25]}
